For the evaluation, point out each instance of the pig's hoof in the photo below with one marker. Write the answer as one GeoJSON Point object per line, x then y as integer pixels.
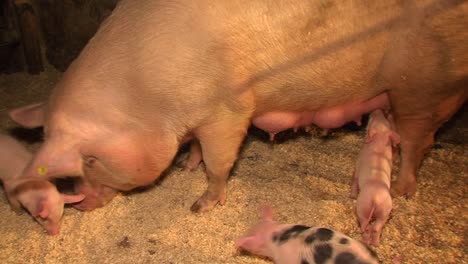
{"type": "Point", "coordinates": [205, 203]}
{"type": "Point", "coordinates": [87, 205]}
{"type": "Point", "coordinates": [375, 240]}
{"type": "Point", "coordinates": [403, 189]}
{"type": "Point", "coordinates": [366, 237]}
{"type": "Point", "coordinates": [191, 166]}
{"type": "Point", "coordinates": [187, 163]}
{"type": "Point", "coordinates": [82, 207]}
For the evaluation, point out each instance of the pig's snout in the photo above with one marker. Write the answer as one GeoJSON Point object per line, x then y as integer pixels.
{"type": "Point", "coordinates": [52, 227]}
{"type": "Point", "coordinates": [54, 231]}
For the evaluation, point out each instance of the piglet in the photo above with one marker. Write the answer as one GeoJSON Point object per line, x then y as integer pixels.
{"type": "Point", "coordinates": [372, 177]}
{"type": "Point", "coordinates": [289, 244]}
{"type": "Point", "coordinates": [39, 196]}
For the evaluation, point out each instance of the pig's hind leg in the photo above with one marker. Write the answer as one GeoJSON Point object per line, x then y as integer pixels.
{"type": "Point", "coordinates": [195, 156]}
{"type": "Point", "coordinates": [365, 208]}
{"type": "Point", "coordinates": [417, 129]}
{"type": "Point", "coordinates": [220, 144]}
{"type": "Point", "coordinates": [423, 94]}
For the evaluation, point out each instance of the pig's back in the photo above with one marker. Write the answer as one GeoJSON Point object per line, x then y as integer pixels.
{"type": "Point", "coordinates": [300, 55]}
{"type": "Point", "coordinates": [306, 55]}
{"type": "Point", "coordinates": [269, 46]}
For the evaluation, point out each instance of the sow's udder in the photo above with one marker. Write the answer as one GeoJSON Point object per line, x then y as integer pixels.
{"type": "Point", "coordinates": [333, 117]}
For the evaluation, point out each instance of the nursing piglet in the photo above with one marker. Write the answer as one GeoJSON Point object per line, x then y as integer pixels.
{"type": "Point", "coordinates": [372, 177]}
{"type": "Point", "coordinates": [39, 196]}
{"type": "Point", "coordinates": [288, 244]}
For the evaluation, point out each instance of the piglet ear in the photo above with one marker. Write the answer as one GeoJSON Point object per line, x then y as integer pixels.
{"type": "Point", "coordinates": [29, 116]}
{"type": "Point", "coordinates": [249, 243]}
{"type": "Point", "coordinates": [42, 210]}
{"type": "Point", "coordinates": [266, 213]}
{"type": "Point", "coordinates": [370, 135]}
{"type": "Point", "coordinates": [394, 138]}
{"type": "Point", "coordinates": [73, 198]}
{"type": "Point", "coordinates": [14, 203]}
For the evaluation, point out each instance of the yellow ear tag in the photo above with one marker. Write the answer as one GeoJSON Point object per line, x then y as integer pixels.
{"type": "Point", "coordinates": [42, 170]}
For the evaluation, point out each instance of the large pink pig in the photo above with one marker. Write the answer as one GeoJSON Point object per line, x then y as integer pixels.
{"type": "Point", "coordinates": [372, 177]}
{"type": "Point", "coordinates": [158, 73]}
{"type": "Point", "coordinates": [38, 196]}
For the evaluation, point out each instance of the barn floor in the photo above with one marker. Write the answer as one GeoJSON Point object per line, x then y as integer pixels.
{"type": "Point", "coordinates": [305, 178]}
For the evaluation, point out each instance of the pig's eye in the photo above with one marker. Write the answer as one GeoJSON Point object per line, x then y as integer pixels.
{"type": "Point", "coordinates": [89, 161]}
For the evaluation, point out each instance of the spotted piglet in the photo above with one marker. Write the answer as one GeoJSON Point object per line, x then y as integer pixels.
{"type": "Point", "coordinates": [289, 244]}
{"type": "Point", "coordinates": [372, 176]}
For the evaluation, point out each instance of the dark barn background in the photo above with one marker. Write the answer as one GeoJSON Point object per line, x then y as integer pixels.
{"type": "Point", "coordinates": [305, 177]}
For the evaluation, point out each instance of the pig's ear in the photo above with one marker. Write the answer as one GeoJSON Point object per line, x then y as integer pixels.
{"type": "Point", "coordinates": [370, 135]}
{"type": "Point", "coordinates": [394, 138]}
{"type": "Point", "coordinates": [266, 213]}
{"type": "Point", "coordinates": [56, 159]}
{"type": "Point", "coordinates": [249, 243]}
{"type": "Point", "coordinates": [29, 116]}
{"type": "Point", "coordinates": [72, 198]}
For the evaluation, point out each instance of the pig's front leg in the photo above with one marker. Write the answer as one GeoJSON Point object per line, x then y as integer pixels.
{"type": "Point", "coordinates": [96, 195]}
{"type": "Point", "coordinates": [220, 144]}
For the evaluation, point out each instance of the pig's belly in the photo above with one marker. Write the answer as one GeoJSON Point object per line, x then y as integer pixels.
{"type": "Point", "coordinates": [331, 117]}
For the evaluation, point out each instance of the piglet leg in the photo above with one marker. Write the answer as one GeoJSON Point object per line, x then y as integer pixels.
{"type": "Point", "coordinates": [381, 218]}
{"type": "Point", "coordinates": [365, 212]}
{"type": "Point", "coordinates": [354, 186]}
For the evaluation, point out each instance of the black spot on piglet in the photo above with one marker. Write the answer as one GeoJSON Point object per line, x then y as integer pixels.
{"type": "Point", "coordinates": [322, 253]}
{"type": "Point", "coordinates": [310, 239]}
{"type": "Point", "coordinates": [324, 234]}
{"type": "Point", "coordinates": [275, 237]}
{"type": "Point", "coordinates": [303, 261]}
{"type": "Point", "coordinates": [344, 241]}
{"type": "Point", "coordinates": [346, 258]}
{"type": "Point", "coordinates": [292, 232]}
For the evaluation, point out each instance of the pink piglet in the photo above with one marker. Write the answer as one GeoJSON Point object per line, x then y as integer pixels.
{"type": "Point", "coordinates": [372, 176]}
{"type": "Point", "coordinates": [39, 196]}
